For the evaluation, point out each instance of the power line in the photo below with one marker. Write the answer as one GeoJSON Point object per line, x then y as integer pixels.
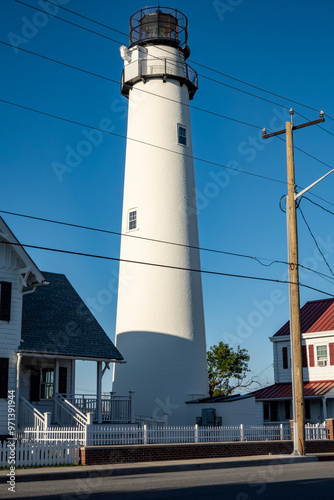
{"type": "Point", "coordinates": [106, 231]}
{"type": "Point", "coordinates": [307, 154]}
{"type": "Point", "coordinates": [319, 126]}
{"type": "Point", "coordinates": [121, 43]}
{"type": "Point", "coordinates": [209, 162]}
{"type": "Point", "coordinates": [315, 241]}
{"type": "Point", "coordinates": [163, 97]}
{"type": "Point", "coordinates": [201, 271]}
{"type": "Point", "coordinates": [197, 63]}
{"type": "Point", "coordinates": [318, 205]}
{"type": "Point", "coordinates": [217, 81]}
{"type": "Point", "coordinates": [134, 88]}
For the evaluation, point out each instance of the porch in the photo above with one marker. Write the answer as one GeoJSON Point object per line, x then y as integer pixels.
{"type": "Point", "coordinates": [76, 410]}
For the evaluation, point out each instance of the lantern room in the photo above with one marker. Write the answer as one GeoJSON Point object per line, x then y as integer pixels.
{"type": "Point", "coordinates": [161, 25]}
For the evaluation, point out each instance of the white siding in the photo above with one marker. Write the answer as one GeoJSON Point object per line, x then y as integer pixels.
{"type": "Point", "coordinates": [283, 375]}
{"type": "Point", "coordinates": [309, 373]}
{"type": "Point", "coordinates": [10, 332]}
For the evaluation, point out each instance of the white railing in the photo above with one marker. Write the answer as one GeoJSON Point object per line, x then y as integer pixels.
{"type": "Point", "coordinates": [53, 434]}
{"type": "Point", "coordinates": [115, 409]}
{"type": "Point", "coordinates": [67, 413]}
{"type": "Point", "coordinates": [316, 431]}
{"type": "Point", "coordinates": [114, 435]}
{"type": "Point", "coordinates": [36, 454]}
{"type": "Point", "coordinates": [130, 434]}
{"type": "Point", "coordinates": [30, 416]}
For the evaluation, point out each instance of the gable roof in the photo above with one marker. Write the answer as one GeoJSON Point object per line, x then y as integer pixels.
{"type": "Point", "coordinates": [284, 391]}
{"type": "Point", "coordinates": [56, 321]}
{"type": "Point", "coordinates": [315, 316]}
{"type": "Point", "coordinates": [31, 275]}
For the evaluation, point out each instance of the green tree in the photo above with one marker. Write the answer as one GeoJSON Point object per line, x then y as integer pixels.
{"type": "Point", "coordinates": [227, 369]}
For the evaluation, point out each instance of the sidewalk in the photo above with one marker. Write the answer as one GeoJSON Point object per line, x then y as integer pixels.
{"type": "Point", "coordinates": [83, 471]}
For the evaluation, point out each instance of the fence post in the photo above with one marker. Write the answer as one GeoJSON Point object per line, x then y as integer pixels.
{"type": "Point", "coordinates": [196, 433]}
{"type": "Point", "coordinates": [317, 431]}
{"type": "Point", "coordinates": [241, 432]}
{"type": "Point", "coordinates": [281, 431]}
{"type": "Point", "coordinates": [132, 408]}
{"type": "Point", "coordinates": [145, 434]}
{"type": "Point", "coordinates": [47, 420]}
{"type": "Point", "coordinates": [88, 427]}
{"type": "Point", "coordinates": [330, 428]}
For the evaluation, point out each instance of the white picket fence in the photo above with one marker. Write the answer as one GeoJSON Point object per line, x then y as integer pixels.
{"type": "Point", "coordinates": [38, 453]}
{"type": "Point", "coordinates": [129, 434]}
{"type": "Point", "coordinates": [53, 434]}
{"type": "Point", "coordinates": [132, 434]}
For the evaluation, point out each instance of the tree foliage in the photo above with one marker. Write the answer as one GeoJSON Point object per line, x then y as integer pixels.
{"type": "Point", "coordinates": [227, 369]}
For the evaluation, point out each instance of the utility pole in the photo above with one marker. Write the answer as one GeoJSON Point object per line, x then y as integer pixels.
{"type": "Point", "coordinates": [295, 329]}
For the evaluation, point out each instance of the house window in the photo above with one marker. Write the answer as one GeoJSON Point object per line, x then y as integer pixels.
{"type": "Point", "coordinates": [5, 300]}
{"type": "Point", "coordinates": [133, 220]}
{"type": "Point", "coordinates": [307, 409]}
{"type": "Point", "coordinates": [47, 383]}
{"type": "Point", "coordinates": [322, 355]}
{"type": "Point", "coordinates": [182, 135]}
{"type": "Point", "coordinates": [285, 358]}
{"type": "Point", "coordinates": [4, 363]}
{"type": "Point", "coordinates": [270, 411]}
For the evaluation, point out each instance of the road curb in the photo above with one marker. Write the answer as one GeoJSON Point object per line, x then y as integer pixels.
{"type": "Point", "coordinates": [137, 469]}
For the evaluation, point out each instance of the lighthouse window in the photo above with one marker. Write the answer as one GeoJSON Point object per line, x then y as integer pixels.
{"type": "Point", "coordinates": [182, 135]}
{"type": "Point", "coordinates": [132, 220]}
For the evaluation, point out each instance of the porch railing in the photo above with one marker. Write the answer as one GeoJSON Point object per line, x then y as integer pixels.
{"type": "Point", "coordinates": [67, 413]}
{"type": "Point", "coordinates": [30, 416]}
{"type": "Point", "coordinates": [115, 409]}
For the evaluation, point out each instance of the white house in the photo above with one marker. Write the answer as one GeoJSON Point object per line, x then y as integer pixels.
{"type": "Point", "coordinates": [317, 325]}
{"type": "Point", "coordinates": [44, 328]}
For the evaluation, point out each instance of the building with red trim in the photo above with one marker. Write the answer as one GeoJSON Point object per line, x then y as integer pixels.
{"type": "Point", "coordinates": [317, 326]}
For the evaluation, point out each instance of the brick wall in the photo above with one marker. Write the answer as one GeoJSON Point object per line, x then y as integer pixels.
{"type": "Point", "coordinates": [94, 455]}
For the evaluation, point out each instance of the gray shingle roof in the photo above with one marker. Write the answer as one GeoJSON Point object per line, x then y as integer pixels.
{"type": "Point", "coordinates": [55, 320]}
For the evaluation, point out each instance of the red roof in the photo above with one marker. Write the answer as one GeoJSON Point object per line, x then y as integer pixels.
{"type": "Point", "coordinates": [315, 316]}
{"type": "Point", "coordinates": [319, 388]}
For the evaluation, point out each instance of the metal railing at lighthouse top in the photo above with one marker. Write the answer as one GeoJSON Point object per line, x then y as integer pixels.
{"type": "Point", "coordinates": [162, 67]}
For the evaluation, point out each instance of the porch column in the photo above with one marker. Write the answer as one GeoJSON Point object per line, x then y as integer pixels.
{"type": "Point", "coordinates": [56, 378]}
{"type": "Point", "coordinates": [55, 387]}
{"type": "Point", "coordinates": [99, 393]}
{"type": "Point", "coordinates": [324, 408]}
{"type": "Point", "coordinates": [17, 394]}
{"type": "Point", "coordinates": [73, 378]}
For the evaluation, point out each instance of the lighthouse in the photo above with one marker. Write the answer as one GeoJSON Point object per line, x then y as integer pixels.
{"type": "Point", "coordinates": [160, 320]}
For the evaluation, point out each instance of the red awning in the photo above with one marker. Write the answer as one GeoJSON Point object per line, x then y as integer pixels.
{"type": "Point", "coordinates": [284, 391]}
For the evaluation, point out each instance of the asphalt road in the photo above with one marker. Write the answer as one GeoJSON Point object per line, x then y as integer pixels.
{"type": "Point", "coordinates": [308, 481]}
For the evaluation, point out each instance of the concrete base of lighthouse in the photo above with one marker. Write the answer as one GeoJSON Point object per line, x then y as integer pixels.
{"type": "Point", "coordinates": [164, 380]}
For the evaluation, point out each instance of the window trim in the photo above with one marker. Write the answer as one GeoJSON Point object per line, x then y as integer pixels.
{"type": "Point", "coordinates": [47, 388]}
{"type": "Point", "coordinates": [316, 355]}
{"type": "Point", "coordinates": [179, 126]}
{"type": "Point", "coordinates": [128, 230]}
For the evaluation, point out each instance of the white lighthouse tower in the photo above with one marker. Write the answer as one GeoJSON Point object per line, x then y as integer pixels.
{"type": "Point", "coordinates": [160, 320]}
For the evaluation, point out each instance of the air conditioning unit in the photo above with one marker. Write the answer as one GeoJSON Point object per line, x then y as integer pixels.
{"type": "Point", "coordinates": [322, 362]}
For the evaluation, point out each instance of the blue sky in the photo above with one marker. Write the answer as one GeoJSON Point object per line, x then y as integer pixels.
{"type": "Point", "coordinates": [285, 47]}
